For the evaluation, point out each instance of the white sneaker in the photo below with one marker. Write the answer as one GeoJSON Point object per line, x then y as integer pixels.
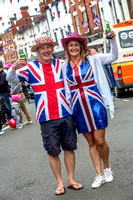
{"type": "Point", "coordinates": [19, 127]}
{"type": "Point", "coordinates": [1, 132]}
{"type": "Point", "coordinates": [108, 175]}
{"type": "Point", "coordinates": [98, 181]}
{"type": "Point", "coordinates": [28, 122]}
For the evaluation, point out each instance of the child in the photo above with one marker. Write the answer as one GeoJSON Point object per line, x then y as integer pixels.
{"type": "Point", "coordinates": [1, 131]}
{"type": "Point", "coordinates": [16, 109]}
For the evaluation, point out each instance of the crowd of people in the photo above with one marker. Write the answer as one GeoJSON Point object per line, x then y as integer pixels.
{"type": "Point", "coordinates": [70, 98]}
{"type": "Point", "coordinates": [7, 91]}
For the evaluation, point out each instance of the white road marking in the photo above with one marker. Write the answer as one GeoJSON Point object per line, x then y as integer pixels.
{"type": "Point", "coordinates": [125, 100]}
{"type": "Point", "coordinates": [5, 127]}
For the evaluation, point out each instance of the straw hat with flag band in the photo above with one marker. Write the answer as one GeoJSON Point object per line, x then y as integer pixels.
{"type": "Point", "coordinates": [74, 36]}
{"type": "Point", "coordinates": [41, 41]}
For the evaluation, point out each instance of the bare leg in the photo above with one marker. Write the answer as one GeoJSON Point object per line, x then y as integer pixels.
{"type": "Point", "coordinates": [102, 146]}
{"type": "Point", "coordinates": [69, 160]}
{"type": "Point", "coordinates": [95, 156]}
{"type": "Point", "coordinates": [56, 168]}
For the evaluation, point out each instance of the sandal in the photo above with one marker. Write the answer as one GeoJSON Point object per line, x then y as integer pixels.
{"type": "Point", "coordinates": [72, 186]}
{"type": "Point", "coordinates": [60, 191]}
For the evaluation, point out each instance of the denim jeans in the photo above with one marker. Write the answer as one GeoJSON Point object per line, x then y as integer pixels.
{"type": "Point", "coordinates": [17, 120]}
{"type": "Point", "coordinates": [7, 103]}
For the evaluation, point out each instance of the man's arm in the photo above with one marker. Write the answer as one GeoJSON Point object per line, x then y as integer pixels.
{"type": "Point", "coordinates": [2, 79]}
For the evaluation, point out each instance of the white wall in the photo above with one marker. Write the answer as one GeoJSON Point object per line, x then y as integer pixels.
{"type": "Point", "coordinates": [57, 23]}
{"type": "Point", "coordinates": [110, 14]}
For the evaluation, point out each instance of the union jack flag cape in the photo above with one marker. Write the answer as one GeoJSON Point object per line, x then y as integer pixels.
{"type": "Point", "coordinates": [48, 84]}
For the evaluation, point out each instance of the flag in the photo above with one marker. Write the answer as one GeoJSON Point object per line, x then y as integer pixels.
{"type": "Point", "coordinates": [110, 75]}
{"type": "Point", "coordinates": [86, 27]}
{"type": "Point", "coordinates": [95, 19]}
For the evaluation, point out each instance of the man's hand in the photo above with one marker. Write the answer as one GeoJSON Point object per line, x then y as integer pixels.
{"type": "Point", "coordinates": [19, 63]}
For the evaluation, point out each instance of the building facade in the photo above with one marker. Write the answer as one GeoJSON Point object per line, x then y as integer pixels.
{"type": "Point", "coordinates": [58, 17]}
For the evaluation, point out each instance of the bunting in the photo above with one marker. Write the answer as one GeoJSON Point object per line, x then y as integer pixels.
{"type": "Point", "coordinates": [43, 7]}
{"type": "Point", "coordinates": [36, 9]}
{"type": "Point", "coordinates": [67, 33]}
{"type": "Point", "coordinates": [59, 14]}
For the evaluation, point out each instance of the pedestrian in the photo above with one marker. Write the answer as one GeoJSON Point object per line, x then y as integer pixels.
{"type": "Point", "coordinates": [1, 102]}
{"type": "Point", "coordinates": [5, 91]}
{"type": "Point", "coordinates": [16, 110]}
{"type": "Point", "coordinates": [90, 93]}
{"type": "Point", "coordinates": [53, 110]}
{"type": "Point", "coordinates": [16, 89]}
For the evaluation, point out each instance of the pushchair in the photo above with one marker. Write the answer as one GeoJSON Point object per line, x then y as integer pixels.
{"type": "Point", "coordinates": [29, 94]}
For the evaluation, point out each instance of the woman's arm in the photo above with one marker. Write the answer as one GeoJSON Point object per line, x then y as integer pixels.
{"type": "Point", "coordinates": [107, 58]}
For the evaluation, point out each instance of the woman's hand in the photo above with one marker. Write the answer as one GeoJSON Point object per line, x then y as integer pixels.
{"type": "Point", "coordinates": [92, 52]}
{"type": "Point", "coordinates": [112, 34]}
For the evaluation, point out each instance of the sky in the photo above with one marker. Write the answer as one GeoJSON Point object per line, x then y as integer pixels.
{"type": "Point", "coordinates": [8, 9]}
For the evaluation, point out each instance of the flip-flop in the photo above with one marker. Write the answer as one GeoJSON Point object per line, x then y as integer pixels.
{"type": "Point", "coordinates": [60, 189]}
{"type": "Point", "coordinates": [74, 184]}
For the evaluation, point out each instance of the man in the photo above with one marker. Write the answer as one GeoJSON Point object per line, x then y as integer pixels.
{"type": "Point", "coordinates": [5, 90]}
{"type": "Point", "coordinates": [53, 111]}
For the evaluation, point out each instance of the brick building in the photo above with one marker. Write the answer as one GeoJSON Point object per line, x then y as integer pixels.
{"type": "Point", "coordinates": [9, 44]}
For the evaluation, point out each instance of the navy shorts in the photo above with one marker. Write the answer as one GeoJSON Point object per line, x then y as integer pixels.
{"type": "Point", "coordinates": [59, 133]}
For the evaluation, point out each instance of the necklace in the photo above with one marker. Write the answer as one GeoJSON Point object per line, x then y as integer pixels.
{"type": "Point", "coordinates": [75, 64]}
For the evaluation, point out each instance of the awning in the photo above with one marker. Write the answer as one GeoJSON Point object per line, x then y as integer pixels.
{"type": "Point", "coordinates": [96, 42]}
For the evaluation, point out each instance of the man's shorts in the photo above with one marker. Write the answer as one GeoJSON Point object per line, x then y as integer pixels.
{"type": "Point", "coordinates": [59, 133]}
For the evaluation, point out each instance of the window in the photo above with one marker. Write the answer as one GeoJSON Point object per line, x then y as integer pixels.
{"type": "Point", "coordinates": [57, 10]}
{"type": "Point", "coordinates": [126, 38]}
{"type": "Point", "coordinates": [122, 11]}
{"type": "Point", "coordinates": [95, 17]}
{"type": "Point", "coordinates": [65, 8]}
{"type": "Point", "coordinates": [55, 35]}
{"type": "Point", "coordinates": [51, 14]}
{"type": "Point", "coordinates": [62, 33]}
{"type": "Point", "coordinates": [85, 17]}
{"type": "Point", "coordinates": [77, 23]}
{"type": "Point", "coordinates": [69, 28]}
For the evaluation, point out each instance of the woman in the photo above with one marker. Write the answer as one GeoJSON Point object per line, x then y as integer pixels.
{"type": "Point", "coordinates": [90, 93]}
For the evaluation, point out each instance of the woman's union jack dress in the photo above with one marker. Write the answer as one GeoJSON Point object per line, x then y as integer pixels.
{"type": "Point", "coordinates": [87, 105]}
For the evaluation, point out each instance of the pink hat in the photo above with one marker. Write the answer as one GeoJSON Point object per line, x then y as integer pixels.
{"type": "Point", "coordinates": [16, 97]}
{"type": "Point", "coordinates": [8, 66]}
{"type": "Point", "coordinates": [74, 36]}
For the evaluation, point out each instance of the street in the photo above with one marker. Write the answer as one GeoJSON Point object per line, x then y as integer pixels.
{"type": "Point", "coordinates": [25, 173]}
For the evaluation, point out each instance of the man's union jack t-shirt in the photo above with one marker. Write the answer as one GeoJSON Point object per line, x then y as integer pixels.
{"type": "Point", "coordinates": [48, 85]}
